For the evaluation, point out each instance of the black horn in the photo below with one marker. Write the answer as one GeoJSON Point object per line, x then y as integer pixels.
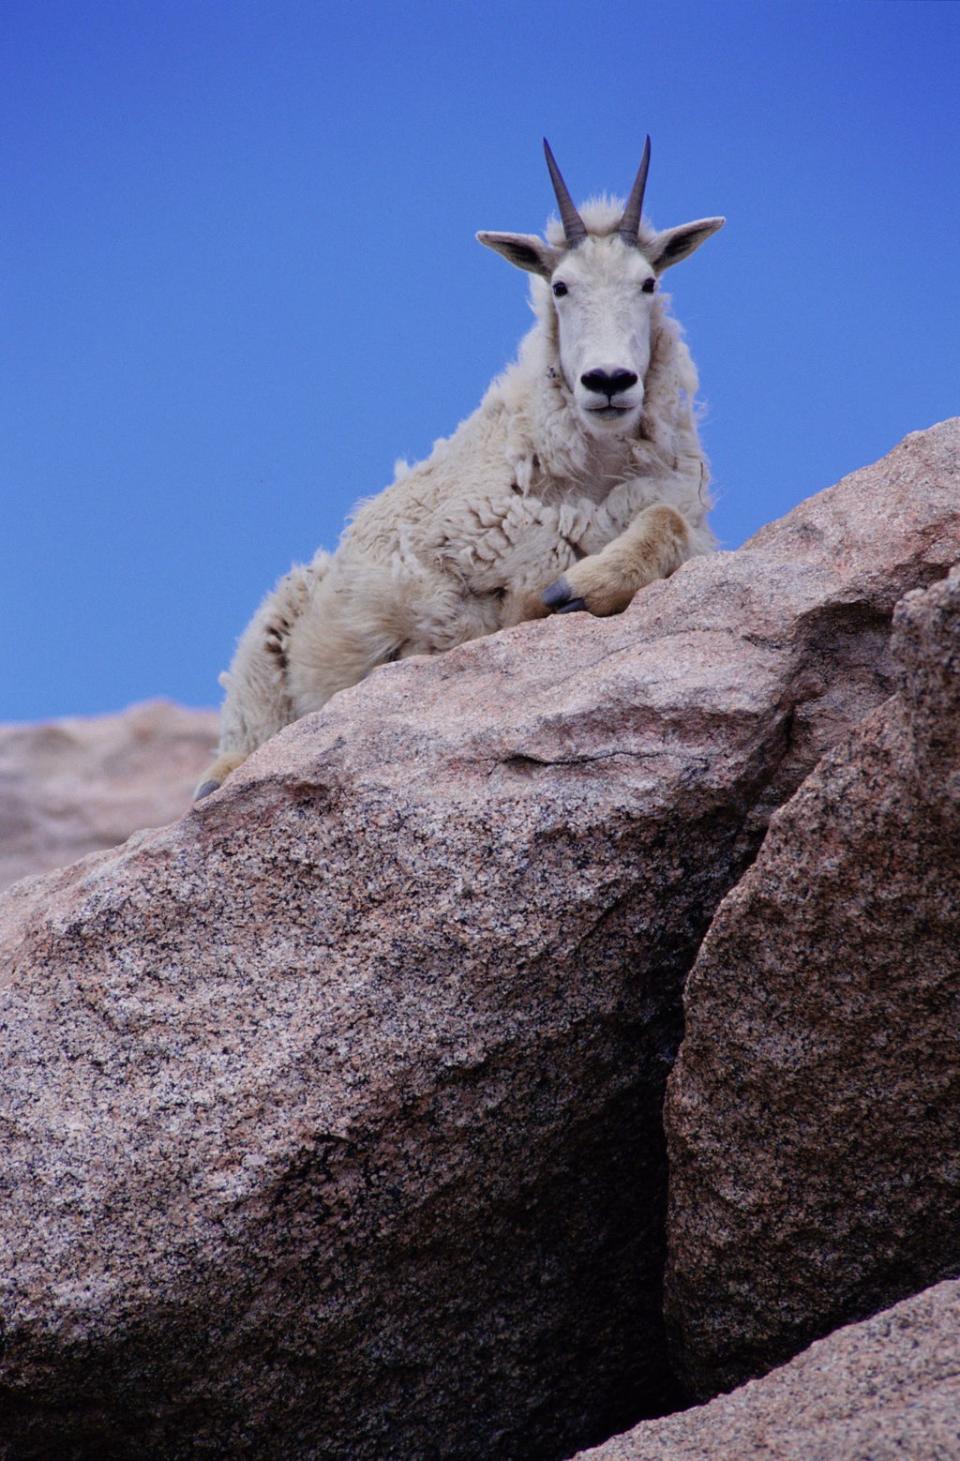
{"type": "Point", "coordinates": [629, 225]}
{"type": "Point", "coordinates": [574, 228]}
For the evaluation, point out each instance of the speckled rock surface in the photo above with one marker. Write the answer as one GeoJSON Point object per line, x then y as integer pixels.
{"type": "Point", "coordinates": [884, 1390]}
{"type": "Point", "coordinates": [814, 1113]}
{"type": "Point", "coordinates": [333, 1110]}
{"type": "Point", "coordinates": [68, 787]}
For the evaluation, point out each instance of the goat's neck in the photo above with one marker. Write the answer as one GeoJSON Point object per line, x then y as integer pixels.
{"type": "Point", "coordinates": [602, 463]}
{"type": "Point", "coordinates": [609, 461]}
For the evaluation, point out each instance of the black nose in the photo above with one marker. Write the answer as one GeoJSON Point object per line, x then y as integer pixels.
{"type": "Point", "coordinates": [608, 383]}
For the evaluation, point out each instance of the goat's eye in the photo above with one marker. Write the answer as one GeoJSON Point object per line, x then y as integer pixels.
{"type": "Point", "coordinates": [648, 286]}
{"type": "Point", "coordinates": [559, 289]}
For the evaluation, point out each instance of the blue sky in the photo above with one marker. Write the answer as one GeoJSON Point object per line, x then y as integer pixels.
{"type": "Point", "coordinates": [238, 276]}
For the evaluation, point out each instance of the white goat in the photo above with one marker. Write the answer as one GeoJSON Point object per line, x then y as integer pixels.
{"type": "Point", "coordinates": [578, 480]}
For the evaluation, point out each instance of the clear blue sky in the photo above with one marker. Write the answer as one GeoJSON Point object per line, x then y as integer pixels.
{"type": "Point", "coordinates": [238, 276]}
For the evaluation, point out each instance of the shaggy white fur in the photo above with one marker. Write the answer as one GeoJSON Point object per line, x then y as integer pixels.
{"type": "Point", "coordinates": [522, 498]}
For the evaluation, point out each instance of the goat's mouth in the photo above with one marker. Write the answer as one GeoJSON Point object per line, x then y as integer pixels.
{"type": "Point", "coordinates": [612, 417]}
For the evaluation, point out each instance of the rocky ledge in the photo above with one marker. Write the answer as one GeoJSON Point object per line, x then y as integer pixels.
{"type": "Point", "coordinates": [333, 1111]}
{"type": "Point", "coordinates": [884, 1390]}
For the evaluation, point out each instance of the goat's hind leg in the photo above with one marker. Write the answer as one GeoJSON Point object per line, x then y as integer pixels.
{"type": "Point", "coordinates": [364, 614]}
{"type": "Point", "coordinates": [258, 701]}
{"type": "Point", "coordinates": [217, 773]}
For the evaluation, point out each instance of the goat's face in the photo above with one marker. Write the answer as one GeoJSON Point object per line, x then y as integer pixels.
{"type": "Point", "coordinates": [603, 286]}
{"type": "Point", "coordinates": [603, 297]}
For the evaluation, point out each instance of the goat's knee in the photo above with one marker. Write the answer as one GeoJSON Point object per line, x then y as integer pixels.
{"type": "Point", "coordinates": [652, 547]}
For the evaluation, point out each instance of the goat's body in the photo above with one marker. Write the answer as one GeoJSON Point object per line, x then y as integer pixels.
{"type": "Point", "coordinates": [526, 496]}
{"type": "Point", "coordinates": [464, 543]}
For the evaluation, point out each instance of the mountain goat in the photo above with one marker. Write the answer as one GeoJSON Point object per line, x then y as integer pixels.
{"type": "Point", "coordinates": [578, 480]}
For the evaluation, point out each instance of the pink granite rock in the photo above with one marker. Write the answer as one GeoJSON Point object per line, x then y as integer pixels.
{"type": "Point", "coordinates": [814, 1113]}
{"type": "Point", "coordinates": [884, 1390]}
{"type": "Point", "coordinates": [333, 1110]}
{"type": "Point", "coordinates": [77, 785]}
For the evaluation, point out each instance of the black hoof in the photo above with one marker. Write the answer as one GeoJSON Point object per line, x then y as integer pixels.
{"type": "Point", "coordinates": [206, 789]}
{"type": "Point", "coordinates": [557, 594]}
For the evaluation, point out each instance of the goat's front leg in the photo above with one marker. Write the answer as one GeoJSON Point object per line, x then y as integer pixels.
{"type": "Point", "coordinates": [652, 547]}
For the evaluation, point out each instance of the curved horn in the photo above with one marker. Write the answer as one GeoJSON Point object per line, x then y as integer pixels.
{"type": "Point", "coordinates": [574, 227]}
{"type": "Point", "coordinates": [629, 225]}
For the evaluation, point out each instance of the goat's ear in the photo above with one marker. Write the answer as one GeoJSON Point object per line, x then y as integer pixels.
{"type": "Point", "coordinates": [674, 244]}
{"type": "Point", "coordinates": [525, 250]}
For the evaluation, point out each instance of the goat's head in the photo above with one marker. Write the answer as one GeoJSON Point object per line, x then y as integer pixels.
{"type": "Point", "coordinates": [603, 281]}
